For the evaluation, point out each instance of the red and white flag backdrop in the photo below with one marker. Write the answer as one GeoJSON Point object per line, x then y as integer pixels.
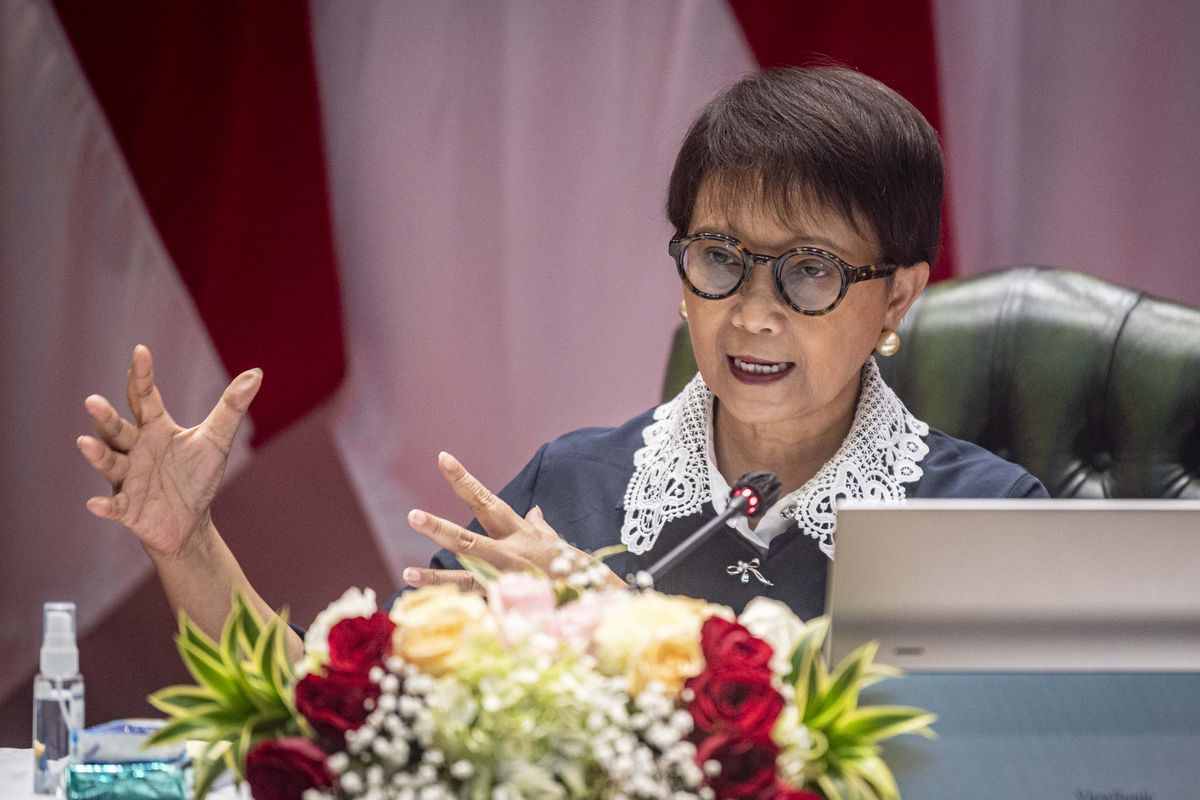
{"type": "Point", "coordinates": [439, 226]}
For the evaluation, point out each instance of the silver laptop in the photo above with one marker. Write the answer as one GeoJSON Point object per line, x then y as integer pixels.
{"type": "Point", "coordinates": [1058, 642]}
{"type": "Point", "coordinates": [1020, 585]}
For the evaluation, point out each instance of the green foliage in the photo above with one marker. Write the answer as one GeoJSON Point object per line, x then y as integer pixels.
{"type": "Point", "coordinates": [242, 693]}
{"type": "Point", "coordinates": [845, 760]}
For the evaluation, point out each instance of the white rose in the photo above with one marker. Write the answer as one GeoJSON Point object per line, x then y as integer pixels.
{"type": "Point", "coordinates": [353, 603]}
{"type": "Point", "coordinates": [774, 623]}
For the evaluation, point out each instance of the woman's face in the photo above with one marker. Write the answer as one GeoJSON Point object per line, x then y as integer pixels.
{"type": "Point", "coordinates": [808, 367]}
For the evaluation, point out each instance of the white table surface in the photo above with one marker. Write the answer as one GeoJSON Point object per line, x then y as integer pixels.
{"type": "Point", "coordinates": [16, 778]}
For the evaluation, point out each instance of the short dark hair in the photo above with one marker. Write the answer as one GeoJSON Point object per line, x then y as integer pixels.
{"type": "Point", "coordinates": [827, 137]}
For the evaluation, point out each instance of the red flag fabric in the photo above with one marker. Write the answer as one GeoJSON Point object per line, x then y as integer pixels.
{"type": "Point", "coordinates": [892, 42]}
{"type": "Point", "coordinates": [215, 108]}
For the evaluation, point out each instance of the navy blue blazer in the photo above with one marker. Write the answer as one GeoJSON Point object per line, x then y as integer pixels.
{"type": "Point", "coordinates": [579, 482]}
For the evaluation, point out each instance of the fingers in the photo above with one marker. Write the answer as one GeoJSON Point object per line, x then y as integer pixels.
{"type": "Point", "coordinates": [460, 541]}
{"type": "Point", "coordinates": [535, 518]}
{"type": "Point", "coordinates": [415, 576]}
{"type": "Point", "coordinates": [226, 417]}
{"type": "Point", "coordinates": [108, 462]}
{"type": "Point", "coordinates": [112, 430]}
{"type": "Point", "coordinates": [113, 508]}
{"type": "Point", "coordinates": [144, 399]}
{"type": "Point", "coordinates": [495, 515]}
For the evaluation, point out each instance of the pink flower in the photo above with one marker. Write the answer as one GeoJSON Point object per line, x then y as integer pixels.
{"type": "Point", "coordinates": [525, 606]}
{"type": "Point", "coordinates": [527, 610]}
{"type": "Point", "coordinates": [578, 620]}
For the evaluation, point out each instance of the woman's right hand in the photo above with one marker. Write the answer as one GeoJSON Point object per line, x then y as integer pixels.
{"type": "Point", "coordinates": [163, 477]}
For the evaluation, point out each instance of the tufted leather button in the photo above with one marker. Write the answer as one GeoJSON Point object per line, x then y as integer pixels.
{"type": "Point", "coordinates": [1102, 461]}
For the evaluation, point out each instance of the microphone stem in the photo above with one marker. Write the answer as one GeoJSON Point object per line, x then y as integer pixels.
{"type": "Point", "coordinates": [737, 505]}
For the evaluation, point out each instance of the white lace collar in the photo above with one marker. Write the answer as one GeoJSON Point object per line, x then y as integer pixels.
{"type": "Point", "coordinates": [670, 479]}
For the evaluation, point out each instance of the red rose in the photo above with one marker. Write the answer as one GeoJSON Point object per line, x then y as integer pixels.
{"type": "Point", "coordinates": [358, 643]}
{"type": "Point", "coordinates": [747, 764]}
{"type": "Point", "coordinates": [783, 791]}
{"type": "Point", "coordinates": [334, 703]}
{"type": "Point", "coordinates": [734, 698]}
{"type": "Point", "coordinates": [728, 642]}
{"type": "Point", "coordinates": [282, 769]}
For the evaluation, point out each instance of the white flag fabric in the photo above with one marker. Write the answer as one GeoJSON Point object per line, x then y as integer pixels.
{"type": "Point", "coordinates": [83, 274]}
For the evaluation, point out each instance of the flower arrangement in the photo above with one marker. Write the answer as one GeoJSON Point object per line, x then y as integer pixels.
{"type": "Point", "coordinates": [543, 689]}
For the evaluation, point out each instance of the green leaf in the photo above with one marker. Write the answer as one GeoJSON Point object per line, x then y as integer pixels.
{"type": "Point", "coordinates": [484, 572]}
{"type": "Point", "coordinates": [263, 657]}
{"type": "Point", "coordinates": [829, 788]}
{"type": "Point", "coordinates": [810, 643]}
{"type": "Point", "coordinates": [811, 681]}
{"type": "Point", "coordinates": [564, 594]}
{"type": "Point", "coordinates": [270, 654]}
{"type": "Point", "coordinates": [205, 774]}
{"type": "Point", "coordinates": [215, 749]}
{"type": "Point", "coordinates": [875, 771]}
{"type": "Point", "coordinates": [232, 764]}
{"type": "Point", "coordinates": [249, 626]}
{"type": "Point", "coordinates": [808, 652]}
{"type": "Point", "coordinates": [228, 645]}
{"type": "Point", "coordinates": [239, 670]}
{"type": "Point", "coordinates": [240, 745]}
{"type": "Point", "coordinates": [608, 552]}
{"type": "Point", "coordinates": [282, 674]}
{"type": "Point", "coordinates": [179, 729]}
{"type": "Point", "coordinates": [208, 671]}
{"type": "Point", "coordinates": [855, 787]}
{"type": "Point", "coordinates": [819, 747]}
{"type": "Point", "coordinates": [198, 638]}
{"type": "Point", "coordinates": [878, 673]}
{"type": "Point", "coordinates": [842, 693]}
{"type": "Point", "coordinates": [876, 723]}
{"type": "Point", "coordinates": [177, 700]}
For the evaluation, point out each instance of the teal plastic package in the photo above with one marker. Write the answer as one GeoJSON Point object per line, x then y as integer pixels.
{"type": "Point", "coordinates": [111, 764]}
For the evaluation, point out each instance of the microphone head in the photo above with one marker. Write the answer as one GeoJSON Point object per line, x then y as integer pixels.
{"type": "Point", "coordinates": [760, 489]}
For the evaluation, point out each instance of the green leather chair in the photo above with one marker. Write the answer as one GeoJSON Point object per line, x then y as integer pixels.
{"type": "Point", "coordinates": [1092, 387]}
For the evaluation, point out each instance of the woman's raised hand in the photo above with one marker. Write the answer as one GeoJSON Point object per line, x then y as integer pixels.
{"type": "Point", "coordinates": [163, 476]}
{"type": "Point", "coordinates": [513, 542]}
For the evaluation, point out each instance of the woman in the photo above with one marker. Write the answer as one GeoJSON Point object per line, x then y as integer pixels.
{"type": "Point", "coordinates": [838, 181]}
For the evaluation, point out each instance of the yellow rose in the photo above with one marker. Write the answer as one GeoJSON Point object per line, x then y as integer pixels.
{"type": "Point", "coordinates": [668, 661]}
{"type": "Point", "coordinates": [653, 637]}
{"type": "Point", "coordinates": [434, 624]}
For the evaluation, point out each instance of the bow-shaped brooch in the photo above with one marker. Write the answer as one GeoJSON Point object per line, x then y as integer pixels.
{"type": "Point", "coordinates": [746, 569]}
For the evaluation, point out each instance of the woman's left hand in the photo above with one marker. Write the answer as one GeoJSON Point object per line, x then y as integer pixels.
{"type": "Point", "coordinates": [514, 543]}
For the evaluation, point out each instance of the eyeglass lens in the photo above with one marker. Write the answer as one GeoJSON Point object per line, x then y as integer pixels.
{"type": "Point", "coordinates": [810, 282]}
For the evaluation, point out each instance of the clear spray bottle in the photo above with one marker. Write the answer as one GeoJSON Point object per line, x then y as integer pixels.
{"type": "Point", "coordinates": [57, 698]}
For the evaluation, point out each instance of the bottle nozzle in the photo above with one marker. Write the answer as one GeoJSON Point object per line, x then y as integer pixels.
{"type": "Point", "coordinates": [60, 655]}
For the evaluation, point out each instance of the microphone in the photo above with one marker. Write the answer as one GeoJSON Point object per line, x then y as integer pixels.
{"type": "Point", "coordinates": [753, 493]}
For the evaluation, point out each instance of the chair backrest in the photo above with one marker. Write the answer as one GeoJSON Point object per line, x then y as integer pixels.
{"type": "Point", "coordinates": [1092, 387]}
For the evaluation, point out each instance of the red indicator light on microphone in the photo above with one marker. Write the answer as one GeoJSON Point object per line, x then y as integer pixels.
{"type": "Point", "coordinates": [758, 489]}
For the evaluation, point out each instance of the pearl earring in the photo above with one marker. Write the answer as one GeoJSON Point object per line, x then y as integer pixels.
{"type": "Point", "coordinates": [888, 343]}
